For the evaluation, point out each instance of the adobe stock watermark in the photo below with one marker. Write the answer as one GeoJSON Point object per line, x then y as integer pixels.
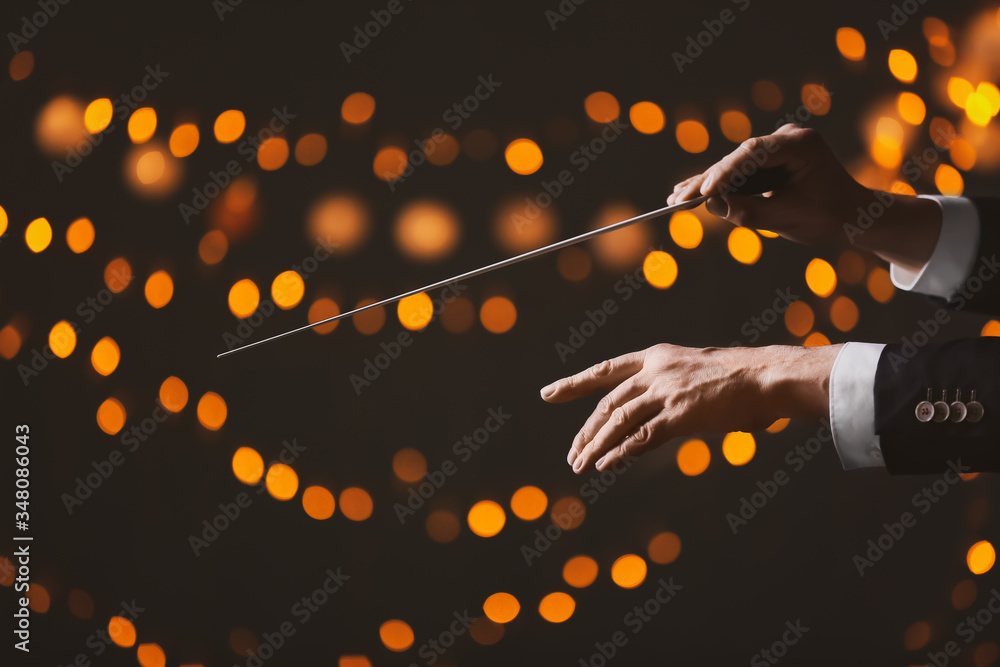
{"type": "Point", "coordinates": [301, 611]}
{"type": "Point", "coordinates": [591, 491]}
{"type": "Point", "coordinates": [100, 640]}
{"type": "Point", "coordinates": [778, 649]}
{"type": "Point", "coordinates": [899, 16]}
{"type": "Point", "coordinates": [923, 501]}
{"type": "Point", "coordinates": [213, 527]}
{"type": "Point", "coordinates": [634, 621]}
{"type": "Point", "coordinates": [759, 324]}
{"type": "Point", "coordinates": [463, 449]}
{"type": "Point", "coordinates": [697, 44]}
{"type": "Point", "coordinates": [363, 34]}
{"type": "Point", "coordinates": [455, 116]}
{"type": "Point", "coordinates": [122, 107]}
{"type": "Point", "coordinates": [796, 459]}
{"type": "Point", "coordinates": [433, 649]}
{"type": "Point", "coordinates": [373, 367]}
{"type": "Point", "coordinates": [968, 629]}
{"type": "Point", "coordinates": [281, 288]}
{"type": "Point", "coordinates": [625, 288]}
{"type": "Point", "coordinates": [562, 12]}
{"type": "Point", "coordinates": [217, 181]}
{"type": "Point", "coordinates": [32, 23]}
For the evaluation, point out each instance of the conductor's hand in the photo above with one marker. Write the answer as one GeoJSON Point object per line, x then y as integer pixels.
{"type": "Point", "coordinates": [667, 391]}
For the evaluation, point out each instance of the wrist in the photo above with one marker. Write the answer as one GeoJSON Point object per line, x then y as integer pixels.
{"type": "Point", "coordinates": [794, 380]}
{"type": "Point", "coordinates": [900, 229]}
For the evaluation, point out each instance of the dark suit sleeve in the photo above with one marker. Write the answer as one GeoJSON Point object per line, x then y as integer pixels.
{"type": "Point", "coordinates": [980, 293]}
{"type": "Point", "coordinates": [904, 374]}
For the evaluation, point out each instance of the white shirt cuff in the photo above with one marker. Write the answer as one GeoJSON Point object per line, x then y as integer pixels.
{"type": "Point", "coordinates": [852, 405]}
{"type": "Point", "coordinates": [954, 255]}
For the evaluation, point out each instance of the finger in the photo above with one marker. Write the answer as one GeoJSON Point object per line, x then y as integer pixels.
{"type": "Point", "coordinates": [625, 420]}
{"type": "Point", "coordinates": [605, 374]}
{"type": "Point", "coordinates": [783, 148]}
{"type": "Point", "coordinates": [643, 438]}
{"type": "Point", "coordinates": [690, 190]}
{"type": "Point", "coordinates": [677, 188]}
{"type": "Point", "coordinates": [747, 210]}
{"type": "Point", "coordinates": [620, 395]}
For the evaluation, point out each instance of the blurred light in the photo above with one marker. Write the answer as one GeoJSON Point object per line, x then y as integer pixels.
{"type": "Point", "coordinates": [282, 481]}
{"type": "Point", "coordinates": [355, 503]}
{"type": "Point", "coordinates": [111, 416]}
{"type": "Point", "coordinates": [580, 571]}
{"type": "Point", "coordinates": [660, 269]}
{"type": "Point", "coordinates": [501, 607]}
{"type": "Point", "coordinates": [735, 126]}
{"type": "Point", "coordinates": [184, 140]}
{"type": "Point", "coordinates": [916, 636]}
{"type": "Point", "coordinates": [10, 341]}
{"type": "Point", "coordinates": [601, 107]}
{"type": "Point", "coordinates": [150, 167]}
{"type": "Point", "coordinates": [815, 339]}
{"type": "Point", "coordinates": [442, 526]}
{"type": "Point", "coordinates": [768, 234]}
{"type": "Point", "coordinates": [692, 136]}
{"type": "Point", "coordinates": [389, 163]}
{"type": "Point", "coordinates": [159, 289]}
{"type": "Point", "coordinates": [948, 181]}
{"type": "Point", "coordinates": [556, 607]}
{"type": "Point", "coordinates": [213, 247]}
{"type": "Point", "coordinates": [151, 655]}
{"type": "Point", "coordinates": [21, 65]}
{"type": "Point", "coordinates": [98, 115]}
{"type": "Point", "coordinates": [321, 309]}
{"type": "Point", "coordinates": [942, 132]}
{"type": "Point", "coordinates": [573, 263]}
{"type": "Point", "coordinates": [568, 513]}
{"type": "Point", "coordinates": [458, 315]}
{"type": "Point", "coordinates": [962, 154]}
{"type": "Point", "coordinates": [685, 229]}
{"type": "Point", "coordinates": [287, 289]}
{"type": "Point", "coordinates": [521, 225]}
{"type": "Point", "coordinates": [963, 594]}
{"type": "Point", "coordinates": [902, 65]}
{"type": "Point", "coordinates": [415, 312]}
{"type": "Point", "coordinates": [880, 285]}
{"type": "Point", "coordinates": [441, 149]}
{"type": "Point", "coordinates": [820, 277]}
{"type": "Point", "coordinates": [981, 557]}
{"type": "Point", "coordinates": [744, 245]}
{"type": "Point", "coordinates": [426, 231]}
{"type": "Point", "coordinates": [59, 127]}
{"type": "Point", "coordinates": [81, 604]}
{"type": "Point", "coordinates": [664, 548]}
{"type": "Point", "coordinates": [816, 98]}
{"type": "Point", "coordinates": [911, 108]}
{"type": "Point", "coordinates": [352, 661]}
{"type": "Point", "coordinates": [738, 447]}
{"type": "Point", "coordinates": [887, 154]}
{"type": "Point", "coordinates": [396, 635]}
{"type": "Point", "coordinates": [693, 457]}
{"type": "Point", "coordinates": [229, 126]}
{"type": "Point", "coordinates": [959, 90]}
{"type": "Point", "coordinates": [943, 54]}
{"type": "Point", "coordinates": [485, 632]}
{"type": "Point", "coordinates": [310, 149]}
{"type": "Point", "coordinates": [528, 503]}
{"type": "Point", "coordinates": [628, 571]}
{"type": "Point", "coordinates": [850, 43]}
{"type": "Point", "coordinates": [936, 31]}
{"type": "Point", "coordinates": [977, 109]}
{"type": "Point", "coordinates": [357, 108]}
{"type": "Point", "coordinates": [851, 267]}
{"type": "Point", "coordinates": [318, 503]}
{"type": "Point", "coordinates": [647, 117]}
{"type": "Point", "coordinates": [766, 95]}
{"type": "Point", "coordinates": [623, 248]}
{"type": "Point", "coordinates": [248, 465]}
{"type": "Point", "coordinates": [339, 221]}
{"type": "Point", "coordinates": [212, 411]}
{"type": "Point", "coordinates": [237, 210]}
{"type": "Point", "coordinates": [121, 631]}
{"type": "Point", "coordinates": [409, 465]}
{"type": "Point", "coordinates": [173, 394]}
{"type": "Point", "coordinates": [38, 598]}
{"type": "Point", "coordinates": [80, 235]}
{"type": "Point", "coordinates": [272, 153]}
{"type": "Point", "coordinates": [523, 156]}
{"type": "Point", "coordinates": [244, 297]}
{"type": "Point", "coordinates": [3, 221]}
{"type": "Point", "coordinates": [105, 356]}
{"type": "Point", "coordinates": [844, 313]}
{"type": "Point", "coordinates": [117, 274]}
{"type": "Point", "coordinates": [486, 518]}
{"type": "Point", "coordinates": [991, 328]}
{"type": "Point", "coordinates": [142, 125]}
{"type": "Point", "coordinates": [799, 318]}
{"type": "Point", "coordinates": [902, 188]}
{"type": "Point", "coordinates": [498, 314]}
{"type": "Point", "coordinates": [991, 94]}
{"type": "Point", "coordinates": [371, 321]}
{"type": "Point", "coordinates": [62, 339]}
{"type": "Point", "coordinates": [38, 234]}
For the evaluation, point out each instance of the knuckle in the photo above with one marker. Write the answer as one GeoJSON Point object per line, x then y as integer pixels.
{"type": "Point", "coordinates": [601, 369]}
{"type": "Point", "coordinates": [619, 417]}
{"type": "Point", "coordinates": [604, 405]}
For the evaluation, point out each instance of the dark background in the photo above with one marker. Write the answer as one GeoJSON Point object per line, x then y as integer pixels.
{"type": "Point", "coordinates": [129, 541]}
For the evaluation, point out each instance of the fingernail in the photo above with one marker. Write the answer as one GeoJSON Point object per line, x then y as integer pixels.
{"type": "Point", "coordinates": [571, 456]}
{"type": "Point", "coordinates": [600, 462]}
{"type": "Point", "coordinates": [548, 390]}
{"type": "Point", "coordinates": [578, 464]}
{"type": "Point", "coordinates": [717, 206]}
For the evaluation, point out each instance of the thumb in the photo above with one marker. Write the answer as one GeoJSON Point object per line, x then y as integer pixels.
{"type": "Point", "coordinates": [741, 210]}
